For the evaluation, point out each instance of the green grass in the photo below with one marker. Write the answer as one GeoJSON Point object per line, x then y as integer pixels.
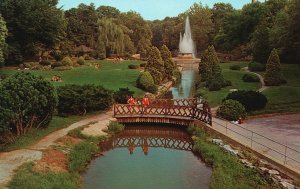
{"type": "Point", "coordinates": [82, 153]}
{"type": "Point", "coordinates": [110, 75]}
{"type": "Point", "coordinates": [284, 98]}
{"type": "Point", "coordinates": [215, 97]}
{"type": "Point", "coordinates": [27, 178]}
{"type": "Point", "coordinates": [37, 134]}
{"type": "Point", "coordinates": [228, 172]}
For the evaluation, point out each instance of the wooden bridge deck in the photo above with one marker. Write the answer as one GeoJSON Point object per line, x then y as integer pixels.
{"type": "Point", "coordinates": [174, 111]}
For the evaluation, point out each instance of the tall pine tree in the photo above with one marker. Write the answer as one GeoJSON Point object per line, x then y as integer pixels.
{"type": "Point", "coordinates": [155, 65]}
{"type": "Point", "coordinates": [273, 76]}
{"type": "Point", "coordinates": [169, 64]}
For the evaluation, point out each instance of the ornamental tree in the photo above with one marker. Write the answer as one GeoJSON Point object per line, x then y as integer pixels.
{"type": "Point", "coordinates": [26, 102]}
{"type": "Point", "coordinates": [272, 76]}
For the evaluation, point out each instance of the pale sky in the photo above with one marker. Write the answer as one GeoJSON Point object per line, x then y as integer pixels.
{"type": "Point", "coordinates": [151, 9]}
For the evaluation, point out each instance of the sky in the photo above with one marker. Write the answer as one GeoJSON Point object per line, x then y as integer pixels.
{"type": "Point", "coordinates": [151, 9]}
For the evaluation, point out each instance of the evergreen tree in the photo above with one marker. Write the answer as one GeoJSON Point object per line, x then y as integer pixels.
{"type": "Point", "coordinates": [169, 64]}
{"type": "Point", "coordinates": [272, 76]}
{"type": "Point", "coordinates": [155, 65]}
{"type": "Point", "coordinates": [3, 34]}
{"type": "Point", "coordinates": [260, 43]}
{"type": "Point", "coordinates": [209, 65]}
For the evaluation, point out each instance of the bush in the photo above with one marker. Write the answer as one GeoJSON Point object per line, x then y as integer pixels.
{"type": "Point", "coordinates": [81, 60]}
{"type": "Point", "coordinates": [142, 64]}
{"type": "Point", "coordinates": [231, 110]}
{"type": "Point", "coordinates": [26, 102]}
{"type": "Point", "coordinates": [56, 64]}
{"type": "Point", "coordinates": [250, 78]}
{"type": "Point", "coordinates": [122, 95]}
{"type": "Point", "coordinates": [251, 100]}
{"type": "Point", "coordinates": [214, 86]}
{"type": "Point", "coordinates": [114, 127]}
{"type": "Point", "coordinates": [217, 82]}
{"type": "Point", "coordinates": [66, 61]}
{"type": "Point", "coordinates": [235, 67]}
{"type": "Point", "coordinates": [152, 89]}
{"type": "Point", "coordinates": [45, 62]}
{"type": "Point", "coordinates": [57, 55]}
{"type": "Point", "coordinates": [256, 67]}
{"type": "Point", "coordinates": [76, 99]}
{"type": "Point", "coordinates": [133, 66]}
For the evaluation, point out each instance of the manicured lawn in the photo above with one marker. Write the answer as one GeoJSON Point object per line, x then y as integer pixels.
{"type": "Point", "coordinates": [284, 98]}
{"type": "Point", "coordinates": [110, 75]}
{"type": "Point", "coordinates": [215, 97]}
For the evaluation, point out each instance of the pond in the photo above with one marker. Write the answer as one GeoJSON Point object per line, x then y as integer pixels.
{"type": "Point", "coordinates": [151, 157]}
{"type": "Point", "coordinates": [148, 157]}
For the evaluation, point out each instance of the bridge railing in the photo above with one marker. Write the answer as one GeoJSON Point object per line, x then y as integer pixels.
{"type": "Point", "coordinates": [174, 108]}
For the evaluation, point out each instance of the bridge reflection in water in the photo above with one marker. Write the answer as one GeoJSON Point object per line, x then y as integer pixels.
{"type": "Point", "coordinates": [149, 136]}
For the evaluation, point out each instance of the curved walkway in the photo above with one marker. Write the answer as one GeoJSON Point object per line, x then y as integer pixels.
{"type": "Point", "coordinates": [263, 85]}
{"type": "Point", "coordinates": [9, 161]}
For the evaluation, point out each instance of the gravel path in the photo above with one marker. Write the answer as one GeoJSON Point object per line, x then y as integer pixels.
{"type": "Point", "coordinates": [9, 161]}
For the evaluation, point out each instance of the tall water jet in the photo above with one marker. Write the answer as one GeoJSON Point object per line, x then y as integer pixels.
{"type": "Point", "coordinates": [186, 43]}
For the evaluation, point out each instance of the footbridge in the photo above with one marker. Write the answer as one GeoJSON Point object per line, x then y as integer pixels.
{"type": "Point", "coordinates": [174, 111]}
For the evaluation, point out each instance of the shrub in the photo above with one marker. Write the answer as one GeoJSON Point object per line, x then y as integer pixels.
{"type": "Point", "coordinates": [235, 67]}
{"type": "Point", "coordinates": [142, 64]}
{"type": "Point", "coordinates": [26, 102]}
{"type": "Point", "coordinates": [57, 55]}
{"type": "Point", "coordinates": [114, 127]}
{"type": "Point", "coordinates": [66, 61]}
{"type": "Point", "coordinates": [122, 95]}
{"type": "Point", "coordinates": [251, 100]}
{"type": "Point", "coordinates": [45, 62]}
{"type": "Point", "coordinates": [156, 75]}
{"type": "Point", "coordinates": [81, 60]}
{"type": "Point", "coordinates": [231, 110]}
{"type": "Point", "coordinates": [256, 67]}
{"type": "Point", "coordinates": [214, 86]}
{"type": "Point", "coordinates": [56, 64]}
{"type": "Point", "coordinates": [76, 99]}
{"type": "Point", "coordinates": [250, 78]}
{"type": "Point", "coordinates": [152, 89]}
{"type": "Point", "coordinates": [133, 66]}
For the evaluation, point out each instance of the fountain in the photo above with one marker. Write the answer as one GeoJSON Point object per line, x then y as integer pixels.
{"type": "Point", "coordinates": [187, 50]}
{"type": "Point", "coordinates": [186, 43]}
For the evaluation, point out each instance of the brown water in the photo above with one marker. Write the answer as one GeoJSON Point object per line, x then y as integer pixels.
{"type": "Point", "coordinates": [148, 157]}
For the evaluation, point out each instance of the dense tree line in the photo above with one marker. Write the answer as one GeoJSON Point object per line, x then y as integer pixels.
{"type": "Point", "coordinates": [35, 26]}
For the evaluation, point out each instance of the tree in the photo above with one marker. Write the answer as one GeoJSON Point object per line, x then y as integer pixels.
{"type": "Point", "coordinates": [155, 65]}
{"type": "Point", "coordinates": [108, 12]}
{"type": "Point", "coordinates": [140, 34]}
{"type": "Point", "coordinates": [26, 102]}
{"type": "Point", "coordinates": [169, 64]}
{"type": "Point", "coordinates": [273, 76]}
{"type": "Point", "coordinates": [209, 65]}
{"type": "Point", "coordinates": [201, 24]}
{"type": "Point", "coordinates": [3, 35]}
{"type": "Point", "coordinates": [260, 43]}
{"type": "Point", "coordinates": [33, 26]}
{"type": "Point", "coordinates": [111, 36]}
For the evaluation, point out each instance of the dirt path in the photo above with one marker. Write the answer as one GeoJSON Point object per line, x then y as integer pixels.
{"type": "Point", "coordinates": [9, 161]}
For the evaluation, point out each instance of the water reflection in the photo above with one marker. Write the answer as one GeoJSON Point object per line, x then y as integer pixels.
{"type": "Point", "coordinates": [148, 157]}
{"type": "Point", "coordinates": [149, 136]}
